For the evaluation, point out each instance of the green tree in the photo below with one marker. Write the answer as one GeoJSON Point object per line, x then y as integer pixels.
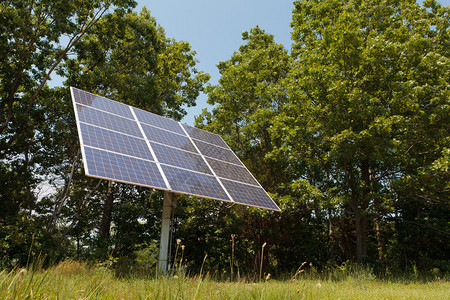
{"type": "Point", "coordinates": [30, 50]}
{"type": "Point", "coordinates": [123, 55]}
{"type": "Point", "coordinates": [35, 38]}
{"type": "Point", "coordinates": [372, 80]}
{"type": "Point", "coordinates": [247, 98]}
{"type": "Point", "coordinates": [251, 94]}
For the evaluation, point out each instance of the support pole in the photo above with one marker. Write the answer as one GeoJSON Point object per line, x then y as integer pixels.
{"type": "Point", "coordinates": [169, 206]}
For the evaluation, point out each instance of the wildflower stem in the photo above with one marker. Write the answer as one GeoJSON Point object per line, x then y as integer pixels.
{"type": "Point", "coordinates": [262, 258]}
{"type": "Point", "coordinates": [232, 256]}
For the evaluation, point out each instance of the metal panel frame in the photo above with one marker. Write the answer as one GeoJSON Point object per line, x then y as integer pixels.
{"type": "Point", "coordinates": [193, 140]}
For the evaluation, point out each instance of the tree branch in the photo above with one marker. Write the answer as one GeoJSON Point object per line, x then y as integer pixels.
{"type": "Point", "coordinates": [65, 194]}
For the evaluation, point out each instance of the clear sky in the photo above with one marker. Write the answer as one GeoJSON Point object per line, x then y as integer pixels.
{"type": "Point", "coordinates": [214, 29]}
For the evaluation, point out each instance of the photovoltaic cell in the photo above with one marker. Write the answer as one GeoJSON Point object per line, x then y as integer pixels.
{"type": "Point", "coordinates": [126, 144]}
{"type": "Point", "coordinates": [108, 121]}
{"type": "Point", "coordinates": [123, 168]}
{"type": "Point", "coordinates": [113, 141]}
{"type": "Point", "coordinates": [168, 138]}
{"type": "Point", "coordinates": [205, 136]}
{"type": "Point", "coordinates": [217, 152]}
{"type": "Point", "coordinates": [194, 183]}
{"type": "Point", "coordinates": [158, 121]}
{"type": "Point", "coordinates": [102, 103]}
{"type": "Point", "coordinates": [179, 158]}
{"type": "Point", "coordinates": [249, 195]}
{"type": "Point", "coordinates": [230, 171]}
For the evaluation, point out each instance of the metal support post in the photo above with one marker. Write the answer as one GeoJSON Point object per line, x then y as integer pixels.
{"type": "Point", "coordinates": [169, 206]}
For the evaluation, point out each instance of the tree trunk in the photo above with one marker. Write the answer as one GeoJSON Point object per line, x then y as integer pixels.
{"type": "Point", "coordinates": [330, 237]}
{"type": "Point", "coordinates": [105, 224]}
{"type": "Point", "coordinates": [360, 201]}
{"type": "Point", "coordinates": [29, 200]}
{"type": "Point", "coordinates": [379, 239]}
{"type": "Point", "coordinates": [361, 223]}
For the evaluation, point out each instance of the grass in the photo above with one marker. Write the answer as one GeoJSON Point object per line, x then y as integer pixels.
{"type": "Point", "coordinates": [74, 280]}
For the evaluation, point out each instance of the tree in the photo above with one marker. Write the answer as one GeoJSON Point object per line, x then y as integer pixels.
{"type": "Point", "coordinates": [354, 132]}
{"type": "Point", "coordinates": [366, 77]}
{"type": "Point", "coordinates": [123, 55]}
{"type": "Point", "coordinates": [30, 52]}
{"type": "Point", "coordinates": [35, 38]}
{"type": "Point", "coordinates": [251, 94]}
{"type": "Point", "coordinates": [247, 98]}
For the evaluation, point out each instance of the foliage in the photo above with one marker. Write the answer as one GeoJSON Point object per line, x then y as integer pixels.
{"type": "Point", "coordinates": [366, 77]}
{"type": "Point", "coordinates": [351, 131]}
{"type": "Point", "coordinates": [247, 98]}
{"type": "Point", "coordinates": [121, 54]}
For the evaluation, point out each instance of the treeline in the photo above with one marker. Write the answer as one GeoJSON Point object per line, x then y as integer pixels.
{"type": "Point", "coordinates": [347, 130]}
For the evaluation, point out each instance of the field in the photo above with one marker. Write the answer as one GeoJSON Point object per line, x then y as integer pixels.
{"type": "Point", "coordinates": [73, 280]}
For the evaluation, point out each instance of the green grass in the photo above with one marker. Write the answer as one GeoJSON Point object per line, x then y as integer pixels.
{"type": "Point", "coordinates": [73, 280]}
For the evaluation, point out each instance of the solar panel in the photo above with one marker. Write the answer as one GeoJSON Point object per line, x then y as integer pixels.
{"type": "Point", "coordinates": [158, 121]}
{"type": "Point", "coordinates": [109, 165]}
{"type": "Point", "coordinates": [205, 136]}
{"type": "Point", "coordinates": [249, 195]}
{"type": "Point", "coordinates": [231, 171]}
{"type": "Point", "coordinates": [179, 158]}
{"type": "Point", "coordinates": [130, 145]}
{"type": "Point", "coordinates": [194, 183]}
{"type": "Point", "coordinates": [217, 152]}
{"type": "Point", "coordinates": [108, 121]}
{"type": "Point", "coordinates": [115, 142]}
{"type": "Point", "coordinates": [101, 103]}
{"type": "Point", "coordinates": [168, 138]}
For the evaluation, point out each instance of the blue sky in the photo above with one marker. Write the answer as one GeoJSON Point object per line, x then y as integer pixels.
{"type": "Point", "coordinates": [214, 29]}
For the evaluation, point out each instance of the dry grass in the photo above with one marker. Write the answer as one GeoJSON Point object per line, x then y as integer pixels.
{"type": "Point", "coordinates": [70, 267]}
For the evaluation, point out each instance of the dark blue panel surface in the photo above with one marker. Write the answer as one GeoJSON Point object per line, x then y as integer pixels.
{"type": "Point", "coordinates": [102, 103]}
{"type": "Point", "coordinates": [205, 136]}
{"type": "Point", "coordinates": [158, 121]}
{"type": "Point", "coordinates": [109, 121]}
{"type": "Point", "coordinates": [230, 171]}
{"type": "Point", "coordinates": [217, 152]}
{"type": "Point", "coordinates": [168, 138]}
{"type": "Point", "coordinates": [115, 148]}
{"type": "Point", "coordinates": [123, 168]}
{"type": "Point", "coordinates": [110, 140]}
{"type": "Point", "coordinates": [179, 158]}
{"type": "Point", "coordinates": [249, 195]}
{"type": "Point", "coordinates": [192, 183]}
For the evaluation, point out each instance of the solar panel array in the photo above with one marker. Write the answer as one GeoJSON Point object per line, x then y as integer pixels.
{"type": "Point", "coordinates": [126, 144]}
